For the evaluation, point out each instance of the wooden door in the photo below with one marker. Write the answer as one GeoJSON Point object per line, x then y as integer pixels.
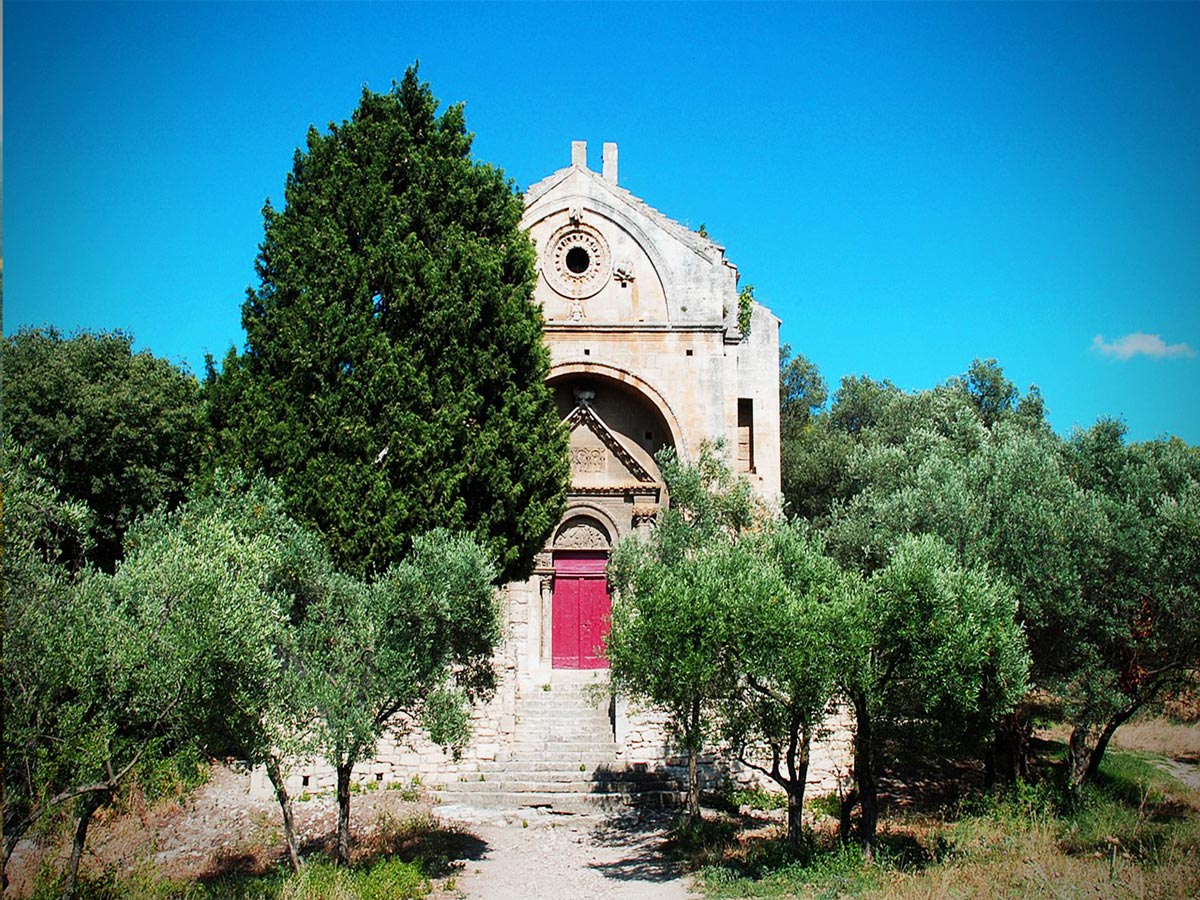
{"type": "Point", "coordinates": [581, 609]}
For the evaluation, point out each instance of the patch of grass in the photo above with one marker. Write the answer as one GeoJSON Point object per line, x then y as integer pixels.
{"type": "Point", "coordinates": [758, 797]}
{"type": "Point", "coordinates": [829, 805]}
{"type": "Point", "coordinates": [769, 869]}
{"type": "Point", "coordinates": [410, 792]}
{"type": "Point", "coordinates": [388, 879]}
{"type": "Point", "coordinates": [1174, 740]}
{"type": "Point", "coordinates": [1134, 834]}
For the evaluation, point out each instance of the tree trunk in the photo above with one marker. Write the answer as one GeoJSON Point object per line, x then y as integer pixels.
{"type": "Point", "coordinates": [342, 856]}
{"type": "Point", "coordinates": [845, 811]}
{"type": "Point", "coordinates": [693, 790]}
{"type": "Point", "coordinates": [1008, 759]}
{"type": "Point", "coordinates": [3, 807]}
{"type": "Point", "coordinates": [87, 806]}
{"type": "Point", "coordinates": [797, 763]}
{"type": "Point", "coordinates": [285, 805]}
{"type": "Point", "coordinates": [1110, 727]}
{"type": "Point", "coordinates": [864, 773]}
{"type": "Point", "coordinates": [1078, 759]}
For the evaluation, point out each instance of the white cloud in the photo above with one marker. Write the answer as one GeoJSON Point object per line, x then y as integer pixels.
{"type": "Point", "coordinates": [1138, 343]}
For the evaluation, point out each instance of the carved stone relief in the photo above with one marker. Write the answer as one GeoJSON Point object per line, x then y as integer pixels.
{"type": "Point", "coordinates": [645, 515]}
{"type": "Point", "coordinates": [580, 535]}
{"type": "Point", "coordinates": [588, 460]}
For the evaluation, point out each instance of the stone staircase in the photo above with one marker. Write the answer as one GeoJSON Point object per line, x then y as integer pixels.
{"type": "Point", "coordinates": [563, 759]}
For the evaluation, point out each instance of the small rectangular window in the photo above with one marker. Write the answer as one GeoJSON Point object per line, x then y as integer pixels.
{"type": "Point", "coordinates": [745, 435]}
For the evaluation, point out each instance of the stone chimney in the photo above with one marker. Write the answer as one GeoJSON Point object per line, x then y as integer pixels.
{"type": "Point", "coordinates": [610, 162]}
{"type": "Point", "coordinates": [579, 154]}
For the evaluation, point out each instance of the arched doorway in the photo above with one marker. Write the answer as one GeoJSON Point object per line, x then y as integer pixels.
{"type": "Point", "coordinates": [581, 605]}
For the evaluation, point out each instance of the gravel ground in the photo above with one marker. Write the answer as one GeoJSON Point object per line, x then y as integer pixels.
{"type": "Point", "coordinates": [579, 857]}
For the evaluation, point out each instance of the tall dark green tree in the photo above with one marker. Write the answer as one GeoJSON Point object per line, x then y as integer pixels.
{"type": "Point", "coordinates": [121, 431]}
{"type": "Point", "coordinates": [393, 379]}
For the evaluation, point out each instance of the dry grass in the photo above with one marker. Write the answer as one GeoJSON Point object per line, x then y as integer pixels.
{"type": "Point", "coordinates": [1169, 739]}
{"type": "Point", "coordinates": [1135, 836]}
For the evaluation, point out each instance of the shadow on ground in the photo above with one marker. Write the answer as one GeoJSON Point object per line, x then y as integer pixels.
{"type": "Point", "coordinates": [643, 838]}
{"type": "Point", "coordinates": [440, 851]}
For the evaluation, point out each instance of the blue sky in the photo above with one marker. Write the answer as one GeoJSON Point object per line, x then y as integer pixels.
{"type": "Point", "coordinates": [907, 186]}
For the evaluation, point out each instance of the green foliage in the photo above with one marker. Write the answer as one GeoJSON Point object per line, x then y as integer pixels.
{"type": "Point", "coordinates": [758, 798]}
{"type": "Point", "coordinates": [177, 656]}
{"type": "Point", "coordinates": [672, 616]}
{"type": "Point", "coordinates": [745, 312]}
{"type": "Point", "coordinates": [120, 431]}
{"type": "Point", "coordinates": [937, 639]}
{"type": "Point", "coordinates": [930, 649]}
{"type": "Point", "coordinates": [785, 643]}
{"type": "Point", "coordinates": [802, 390]}
{"type": "Point", "coordinates": [415, 643]}
{"type": "Point", "coordinates": [1141, 587]}
{"type": "Point", "coordinates": [393, 378]}
{"type": "Point", "coordinates": [385, 879]}
{"type": "Point", "coordinates": [411, 647]}
{"type": "Point", "coordinates": [44, 541]}
{"type": "Point", "coordinates": [1095, 537]}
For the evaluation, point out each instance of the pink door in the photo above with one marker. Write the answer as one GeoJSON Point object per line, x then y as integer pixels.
{"type": "Point", "coordinates": [581, 609]}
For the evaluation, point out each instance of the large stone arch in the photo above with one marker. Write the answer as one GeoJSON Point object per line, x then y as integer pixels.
{"type": "Point", "coordinates": [565, 370]}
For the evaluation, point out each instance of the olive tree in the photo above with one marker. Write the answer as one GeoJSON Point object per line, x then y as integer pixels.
{"type": "Point", "coordinates": [787, 596]}
{"type": "Point", "coordinates": [671, 619]}
{"type": "Point", "coordinates": [927, 641]}
{"type": "Point", "coordinates": [411, 647]}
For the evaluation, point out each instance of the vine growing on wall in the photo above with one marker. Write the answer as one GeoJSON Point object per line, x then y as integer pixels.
{"type": "Point", "coordinates": [745, 309]}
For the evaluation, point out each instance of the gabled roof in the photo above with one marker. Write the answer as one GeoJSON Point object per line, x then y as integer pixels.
{"type": "Point", "coordinates": [692, 239]}
{"type": "Point", "coordinates": [583, 415]}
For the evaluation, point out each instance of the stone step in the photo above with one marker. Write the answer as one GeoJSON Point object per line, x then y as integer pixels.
{"type": "Point", "coordinates": [498, 768]}
{"type": "Point", "coordinates": [562, 715]}
{"type": "Point", "coordinates": [532, 745]}
{"type": "Point", "coordinates": [551, 786]}
{"type": "Point", "coordinates": [578, 803]}
{"type": "Point", "coordinates": [521, 737]}
{"type": "Point", "coordinates": [557, 724]}
{"type": "Point", "coordinates": [565, 714]}
{"type": "Point", "coordinates": [588, 754]}
{"type": "Point", "coordinates": [573, 696]}
{"type": "Point", "coordinates": [599, 775]}
{"type": "Point", "coordinates": [543, 739]}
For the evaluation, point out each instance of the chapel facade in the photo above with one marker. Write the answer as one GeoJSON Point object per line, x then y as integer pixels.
{"type": "Point", "coordinates": [641, 319]}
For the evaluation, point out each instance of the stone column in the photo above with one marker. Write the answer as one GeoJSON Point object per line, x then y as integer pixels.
{"type": "Point", "coordinates": [547, 613]}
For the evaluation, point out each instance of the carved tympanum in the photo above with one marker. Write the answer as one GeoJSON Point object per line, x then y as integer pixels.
{"type": "Point", "coordinates": [579, 534]}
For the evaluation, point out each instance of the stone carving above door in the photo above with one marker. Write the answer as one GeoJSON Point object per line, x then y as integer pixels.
{"type": "Point", "coordinates": [582, 533]}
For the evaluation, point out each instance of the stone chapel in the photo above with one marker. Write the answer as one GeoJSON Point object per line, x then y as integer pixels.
{"type": "Point", "coordinates": [641, 319]}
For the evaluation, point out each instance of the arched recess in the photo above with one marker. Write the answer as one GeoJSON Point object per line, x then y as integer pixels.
{"type": "Point", "coordinates": [585, 527]}
{"type": "Point", "coordinates": [600, 371]}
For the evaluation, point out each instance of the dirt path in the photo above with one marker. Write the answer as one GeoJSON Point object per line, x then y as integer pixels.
{"type": "Point", "coordinates": [220, 828]}
{"type": "Point", "coordinates": [1186, 772]}
{"type": "Point", "coordinates": [584, 858]}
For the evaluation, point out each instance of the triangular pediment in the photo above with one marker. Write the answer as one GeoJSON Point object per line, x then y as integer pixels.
{"type": "Point", "coordinates": [599, 456]}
